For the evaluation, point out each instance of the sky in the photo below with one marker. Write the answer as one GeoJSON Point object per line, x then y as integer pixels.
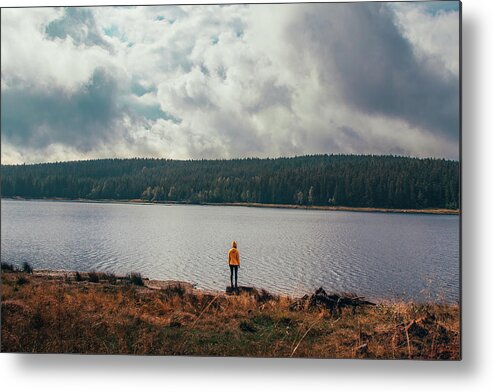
{"type": "Point", "coordinates": [209, 82]}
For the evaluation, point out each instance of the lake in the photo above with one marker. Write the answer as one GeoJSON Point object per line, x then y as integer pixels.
{"type": "Point", "coordinates": [378, 255]}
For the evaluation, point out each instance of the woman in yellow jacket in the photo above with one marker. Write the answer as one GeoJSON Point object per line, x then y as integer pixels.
{"type": "Point", "coordinates": [234, 263]}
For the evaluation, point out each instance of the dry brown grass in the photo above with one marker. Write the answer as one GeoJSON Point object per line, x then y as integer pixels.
{"type": "Point", "coordinates": [58, 314]}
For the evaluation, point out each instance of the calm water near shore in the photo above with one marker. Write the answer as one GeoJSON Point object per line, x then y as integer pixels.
{"type": "Point", "coordinates": [378, 255]}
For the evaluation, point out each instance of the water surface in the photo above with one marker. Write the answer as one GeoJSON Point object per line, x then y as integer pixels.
{"type": "Point", "coordinates": [378, 255]}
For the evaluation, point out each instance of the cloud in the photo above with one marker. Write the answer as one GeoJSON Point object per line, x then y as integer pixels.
{"type": "Point", "coordinates": [38, 118]}
{"type": "Point", "coordinates": [432, 29]}
{"type": "Point", "coordinates": [31, 59]}
{"type": "Point", "coordinates": [229, 81]}
{"type": "Point", "coordinates": [359, 47]}
{"type": "Point", "coordinates": [78, 24]}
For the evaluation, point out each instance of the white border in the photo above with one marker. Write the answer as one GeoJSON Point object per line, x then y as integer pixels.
{"type": "Point", "coordinates": [122, 373]}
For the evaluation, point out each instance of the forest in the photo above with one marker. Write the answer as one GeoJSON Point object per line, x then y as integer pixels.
{"type": "Point", "coordinates": [319, 180]}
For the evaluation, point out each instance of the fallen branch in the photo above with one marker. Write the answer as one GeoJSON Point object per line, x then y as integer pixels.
{"type": "Point", "coordinates": [195, 322]}
{"type": "Point", "coordinates": [206, 307]}
{"type": "Point", "coordinates": [306, 333]}
{"type": "Point", "coordinates": [408, 344]}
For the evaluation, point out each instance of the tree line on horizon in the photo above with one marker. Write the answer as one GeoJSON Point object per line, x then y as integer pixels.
{"type": "Point", "coordinates": [319, 180]}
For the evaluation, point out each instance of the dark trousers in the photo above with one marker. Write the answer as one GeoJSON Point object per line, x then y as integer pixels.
{"type": "Point", "coordinates": [235, 269]}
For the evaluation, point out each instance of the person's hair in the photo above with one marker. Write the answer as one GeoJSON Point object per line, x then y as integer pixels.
{"type": "Point", "coordinates": [234, 244]}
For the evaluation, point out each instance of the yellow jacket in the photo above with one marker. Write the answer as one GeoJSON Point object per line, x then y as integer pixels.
{"type": "Point", "coordinates": [234, 255]}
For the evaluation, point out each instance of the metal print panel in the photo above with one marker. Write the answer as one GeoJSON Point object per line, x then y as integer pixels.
{"type": "Point", "coordinates": [258, 180]}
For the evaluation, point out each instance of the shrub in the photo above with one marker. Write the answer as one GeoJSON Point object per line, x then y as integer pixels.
{"type": "Point", "coordinates": [135, 278]}
{"type": "Point", "coordinates": [93, 277]}
{"type": "Point", "coordinates": [264, 296]}
{"type": "Point", "coordinates": [263, 320]}
{"type": "Point", "coordinates": [245, 326]}
{"type": "Point", "coordinates": [8, 267]}
{"type": "Point", "coordinates": [26, 267]}
{"type": "Point", "coordinates": [111, 278]}
{"type": "Point", "coordinates": [21, 280]}
{"type": "Point", "coordinates": [174, 290]}
{"type": "Point", "coordinates": [37, 321]}
{"type": "Point", "coordinates": [78, 277]}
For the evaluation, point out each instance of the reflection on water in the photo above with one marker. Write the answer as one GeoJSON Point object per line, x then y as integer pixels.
{"type": "Point", "coordinates": [381, 256]}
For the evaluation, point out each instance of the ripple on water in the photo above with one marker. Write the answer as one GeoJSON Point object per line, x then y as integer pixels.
{"type": "Point", "coordinates": [395, 256]}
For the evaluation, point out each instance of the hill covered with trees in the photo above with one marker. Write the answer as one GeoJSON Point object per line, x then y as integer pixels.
{"type": "Point", "coordinates": [320, 180]}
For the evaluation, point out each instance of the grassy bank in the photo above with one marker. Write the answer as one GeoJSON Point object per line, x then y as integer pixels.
{"type": "Point", "coordinates": [103, 314]}
{"type": "Point", "coordinates": [436, 211]}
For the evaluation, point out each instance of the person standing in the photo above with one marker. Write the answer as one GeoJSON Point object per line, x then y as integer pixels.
{"type": "Point", "coordinates": [234, 264]}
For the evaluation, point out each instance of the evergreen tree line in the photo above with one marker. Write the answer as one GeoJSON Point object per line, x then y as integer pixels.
{"type": "Point", "coordinates": [321, 180]}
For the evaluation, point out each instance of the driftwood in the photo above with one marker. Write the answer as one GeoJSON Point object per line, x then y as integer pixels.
{"type": "Point", "coordinates": [333, 302]}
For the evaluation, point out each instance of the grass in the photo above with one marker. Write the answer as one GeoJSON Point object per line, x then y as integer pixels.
{"type": "Point", "coordinates": [8, 267]}
{"type": "Point", "coordinates": [135, 278]}
{"type": "Point", "coordinates": [66, 314]}
{"type": "Point", "coordinates": [21, 280]}
{"type": "Point", "coordinates": [174, 290]}
{"type": "Point", "coordinates": [97, 277]}
{"type": "Point", "coordinates": [26, 267]}
{"type": "Point", "coordinates": [93, 277]}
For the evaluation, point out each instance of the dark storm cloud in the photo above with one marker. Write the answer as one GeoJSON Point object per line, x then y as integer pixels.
{"type": "Point", "coordinates": [36, 118]}
{"type": "Point", "coordinates": [80, 25]}
{"type": "Point", "coordinates": [361, 48]}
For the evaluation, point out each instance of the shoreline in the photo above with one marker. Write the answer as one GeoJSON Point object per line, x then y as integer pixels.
{"type": "Point", "coordinates": [163, 284]}
{"type": "Point", "coordinates": [149, 283]}
{"type": "Point", "coordinates": [430, 211]}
